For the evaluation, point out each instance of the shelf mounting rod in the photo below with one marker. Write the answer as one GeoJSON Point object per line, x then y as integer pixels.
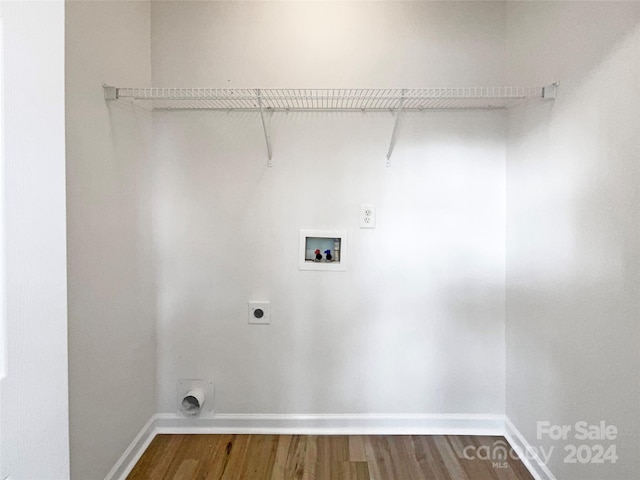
{"type": "Point", "coordinates": [264, 127]}
{"type": "Point", "coordinates": [394, 132]}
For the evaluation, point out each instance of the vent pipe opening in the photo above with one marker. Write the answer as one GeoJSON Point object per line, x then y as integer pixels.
{"type": "Point", "coordinates": [192, 402]}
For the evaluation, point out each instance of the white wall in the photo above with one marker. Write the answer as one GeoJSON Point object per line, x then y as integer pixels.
{"type": "Point", "coordinates": [416, 324]}
{"type": "Point", "coordinates": [34, 393]}
{"type": "Point", "coordinates": [111, 276]}
{"type": "Point", "coordinates": [573, 228]}
{"type": "Point", "coordinates": [320, 44]}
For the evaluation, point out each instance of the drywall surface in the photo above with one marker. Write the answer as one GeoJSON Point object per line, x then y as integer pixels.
{"type": "Point", "coordinates": [573, 231]}
{"type": "Point", "coordinates": [416, 323]}
{"type": "Point", "coordinates": [111, 277]}
{"type": "Point", "coordinates": [328, 44]}
{"type": "Point", "coordinates": [34, 393]}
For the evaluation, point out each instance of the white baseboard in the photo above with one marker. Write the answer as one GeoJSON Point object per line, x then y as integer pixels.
{"type": "Point", "coordinates": [532, 461]}
{"type": "Point", "coordinates": [132, 454]}
{"type": "Point", "coordinates": [335, 424]}
{"type": "Point", "coordinates": [320, 424]}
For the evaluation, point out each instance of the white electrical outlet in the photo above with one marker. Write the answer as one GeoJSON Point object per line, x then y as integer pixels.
{"type": "Point", "coordinates": [367, 216]}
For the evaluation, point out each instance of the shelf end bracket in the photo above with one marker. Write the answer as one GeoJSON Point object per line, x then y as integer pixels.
{"type": "Point", "coordinates": [549, 92]}
{"type": "Point", "coordinates": [394, 132]}
{"type": "Point", "coordinates": [110, 93]}
{"type": "Point", "coordinates": [264, 127]}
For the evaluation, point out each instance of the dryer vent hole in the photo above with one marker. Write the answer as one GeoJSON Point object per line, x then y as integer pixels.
{"type": "Point", "coordinates": [190, 405]}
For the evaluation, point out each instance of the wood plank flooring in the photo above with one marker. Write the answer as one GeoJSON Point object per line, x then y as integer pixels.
{"type": "Point", "coordinates": [310, 457]}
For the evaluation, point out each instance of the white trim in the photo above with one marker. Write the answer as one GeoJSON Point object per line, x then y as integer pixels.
{"type": "Point", "coordinates": [132, 454]}
{"type": "Point", "coordinates": [531, 460]}
{"type": "Point", "coordinates": [3, 233]}
{"type": "Point", "coordinates": [313, 424]}
{"type": "Point", "coordinates": [335, 424]}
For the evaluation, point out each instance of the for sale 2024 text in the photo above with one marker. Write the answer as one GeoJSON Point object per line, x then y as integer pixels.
{"type": "Point", "coordinates": [582, 431]}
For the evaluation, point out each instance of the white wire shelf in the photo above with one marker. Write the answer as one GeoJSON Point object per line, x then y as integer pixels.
{"type": "Point", "coordinates": [394, 100]}
{"type": "Point", "coordinates": [332, 100]}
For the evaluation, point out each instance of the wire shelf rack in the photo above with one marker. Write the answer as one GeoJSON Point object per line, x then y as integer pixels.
{"type": "Point", "coordinates": [330, 99]}
{"type": "Point", "coordinates": [394, 100]}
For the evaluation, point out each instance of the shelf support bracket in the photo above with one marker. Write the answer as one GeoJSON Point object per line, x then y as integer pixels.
{"type": "Point", "coordinates": [549, 92]}
{"type": "Point", "coordinates": [264, 127]}
{"type": "Point", "coordinates": [110, 93]}
{"type": "Point", "coordinates": [394, 132]}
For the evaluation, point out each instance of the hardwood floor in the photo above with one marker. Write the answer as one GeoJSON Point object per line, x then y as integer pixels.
{"type": "Point", "coordinates": [310, 457]}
